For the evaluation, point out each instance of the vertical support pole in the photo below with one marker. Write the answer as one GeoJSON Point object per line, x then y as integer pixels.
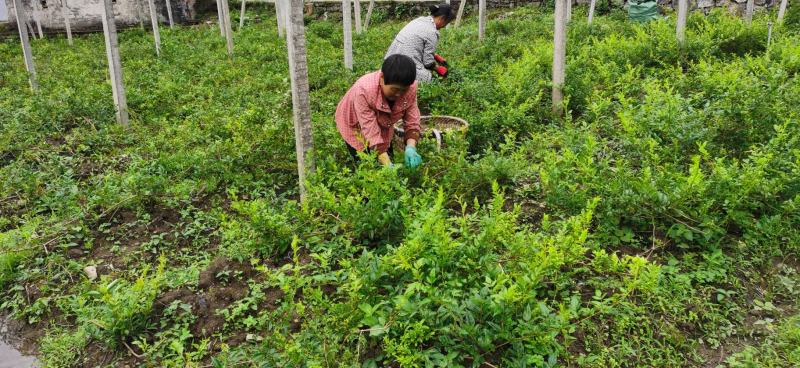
{"type": "Point", "coordinates": [301, 106]}
{"type": "Point", "coordinates": [460, 12]}
{"type": "Point", "coordinates": [559, 55]}
{"type": "Point", "coordinates": [65, 15]}
{"type": "Point", "coordinates": [169, 15]}
{"type": "Point", "coordinates": [680, 26]}
{"type": "Point", "coordinates": [369, 14]}
{"type": "Point", "coordinates": [114, 64]}
{"type": "Point", "coordinates": [219, 16]}
{"type": "Point", "coordinates": [782, 10]}
{"type": "Point", "coordinates": [154, 23]}
{"type": "Point", "coordinates": [280, 16]}
{"type": "Point", "coordinates": [226, 17]}
{"type": "Point", "coordinates": [748, 13]}
{"type": "Point", "coordinates": [22, 24]}
{"type": "Point", "coordinates": [591, 11]}
{"type": "Point", "coordinates": [241, 15]}
{"type": "Point", "coordinates": [481, 19]}
{"type": "Point", "coordinates": [348, 34]}
{"type": "Point", "coordinates": [357, 8]}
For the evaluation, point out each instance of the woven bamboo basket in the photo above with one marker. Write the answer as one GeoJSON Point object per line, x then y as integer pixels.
{"type": "Point", "coordinates": [432, 126]}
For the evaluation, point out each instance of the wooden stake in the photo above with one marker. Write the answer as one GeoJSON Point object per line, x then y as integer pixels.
{"type": "Point", "coordinates": [241, 15]}
{"type": "Point", "coordinates": [301, 106]}
{"type": "Point", "coordinates": [782, 10]}
{"type": "Point", "coordinates": [357, 7]}
{"type": "Point", "coordinates": [169, 14]}
{"type": "Point", "coordinates": [348, 34]}
{"type": "Point", "coordinates": [460, 12]}
{"type": "Point", "coordinates": [369, 14]}
{"type": "Point", "coordinates": [22, 23]}
{"type": "Point", "coordinates": [114, 64]}
{"type": "Point", "coordinates": [591, 11]}
{"type": "Point", "coordinates": [65, 15]}
{"type": "Point", "coordinates": [559, 55]}
{"type": "Point", "coordinates": [226, 17]}
{"type": "Point", "coordinates": [154, 24]}
{"type": "Point", "coordinates": [748, 13]}
{"type": "Point", "coordinates": [481, 19]}
{"type": "Point", "coordinates": [680, 25]}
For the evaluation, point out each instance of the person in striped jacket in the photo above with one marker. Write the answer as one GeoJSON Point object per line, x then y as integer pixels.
{"type": "Point", "coordinates": [366, 114]}
{"type": "Point", "coordinates": [418, 40]}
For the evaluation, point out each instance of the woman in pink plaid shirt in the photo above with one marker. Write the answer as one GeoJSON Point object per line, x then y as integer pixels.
{"type": "Point", "coordinates": [366, 114]}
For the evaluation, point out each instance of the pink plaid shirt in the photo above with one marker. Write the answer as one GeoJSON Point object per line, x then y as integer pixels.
{"type": "Point", "coordinates": [364, 114]}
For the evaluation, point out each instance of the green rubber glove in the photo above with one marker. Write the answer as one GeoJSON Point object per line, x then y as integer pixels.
{"type": "Point", "coordinates": [413, 159]}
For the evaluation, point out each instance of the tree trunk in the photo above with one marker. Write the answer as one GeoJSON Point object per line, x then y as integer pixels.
{"type": "Point", "coordinates": [241, 15]}
{"type": "Point", "coordinates": [569, 10]}
{"type": "Point", "coordinates": [219, 15]}
{"type": "Point", "coordinates": [559, 55]}
{"type": "Point", "coordinates": [782, 10]}
{"type": "Point", "coordinates": [154, 24]}
{"type": "Point", "coordinates": [348, 34]}
{"type": "Point", "coordinates": [301, 106]}
{"type": "Point", "coordinates": [36, 12]}
{"type": "Point", "coordinates": [680, 26]}
{"type": "Point", "coordinates": [169, 15]}
{"type": "Point", "coordinates": [481, 19]}
{"type": "Point", "coordinates": [279, 15]}
{"type": "Point", "coordinates": [369, 14]}
{"type": "Point", "coordinates": [460, 12]}
{"type": "Point", "coordinates": [65, 15]}
{"type": "Point", "coordinates": [591, 11]}
{"type": "Point", "coordinates": [22, 25]}
{"type": "Point", "coordinates": [226, 19]}
{"type": "Point", "coordinates": [140, 13]}
{"type": "Point", "coordinates": [114, 64]}
{"type": "Point", "coordinates": [357, 7]}
{"type": "Point", "coordinates": [748, 13]}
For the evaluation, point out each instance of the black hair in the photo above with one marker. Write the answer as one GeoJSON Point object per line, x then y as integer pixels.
{"type": "Point", "coordinates": [442, 10]}
{"type": "Point", "coordinates": [399, 69]}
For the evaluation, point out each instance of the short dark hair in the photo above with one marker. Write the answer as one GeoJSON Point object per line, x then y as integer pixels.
{"type": "Point", "coordinates": [399, 69]}
{"type": "Point", "coordinates": [442, 10]}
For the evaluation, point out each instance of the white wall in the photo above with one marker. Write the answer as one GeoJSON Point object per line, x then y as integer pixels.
{"type": "Point", "coordinates": [85, 14]}
{"type": "Point", "coordinates": [3, 11]}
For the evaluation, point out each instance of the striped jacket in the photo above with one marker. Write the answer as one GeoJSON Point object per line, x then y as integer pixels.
{"type": "Point", "coordinates": [417, 40]}
{"type": "Point", "coordinates": [365, 119]}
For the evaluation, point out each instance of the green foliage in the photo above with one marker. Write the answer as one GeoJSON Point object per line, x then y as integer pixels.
{"type": "Point", "coordinates": [62, 349]}
{"type": "Point", "coordinates": [116, 309]}
{"type": "Point", "coordinates": [658, 221]}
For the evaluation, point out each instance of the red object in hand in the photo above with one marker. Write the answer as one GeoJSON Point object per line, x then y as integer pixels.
{"type": "Point", "coordinates": [439, 59]}
{"type": "Point", "coordinates": [442, 71]}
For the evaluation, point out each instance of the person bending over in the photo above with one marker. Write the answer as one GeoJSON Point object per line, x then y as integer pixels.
{"type": "Point", "coordinates": [366, 114]}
